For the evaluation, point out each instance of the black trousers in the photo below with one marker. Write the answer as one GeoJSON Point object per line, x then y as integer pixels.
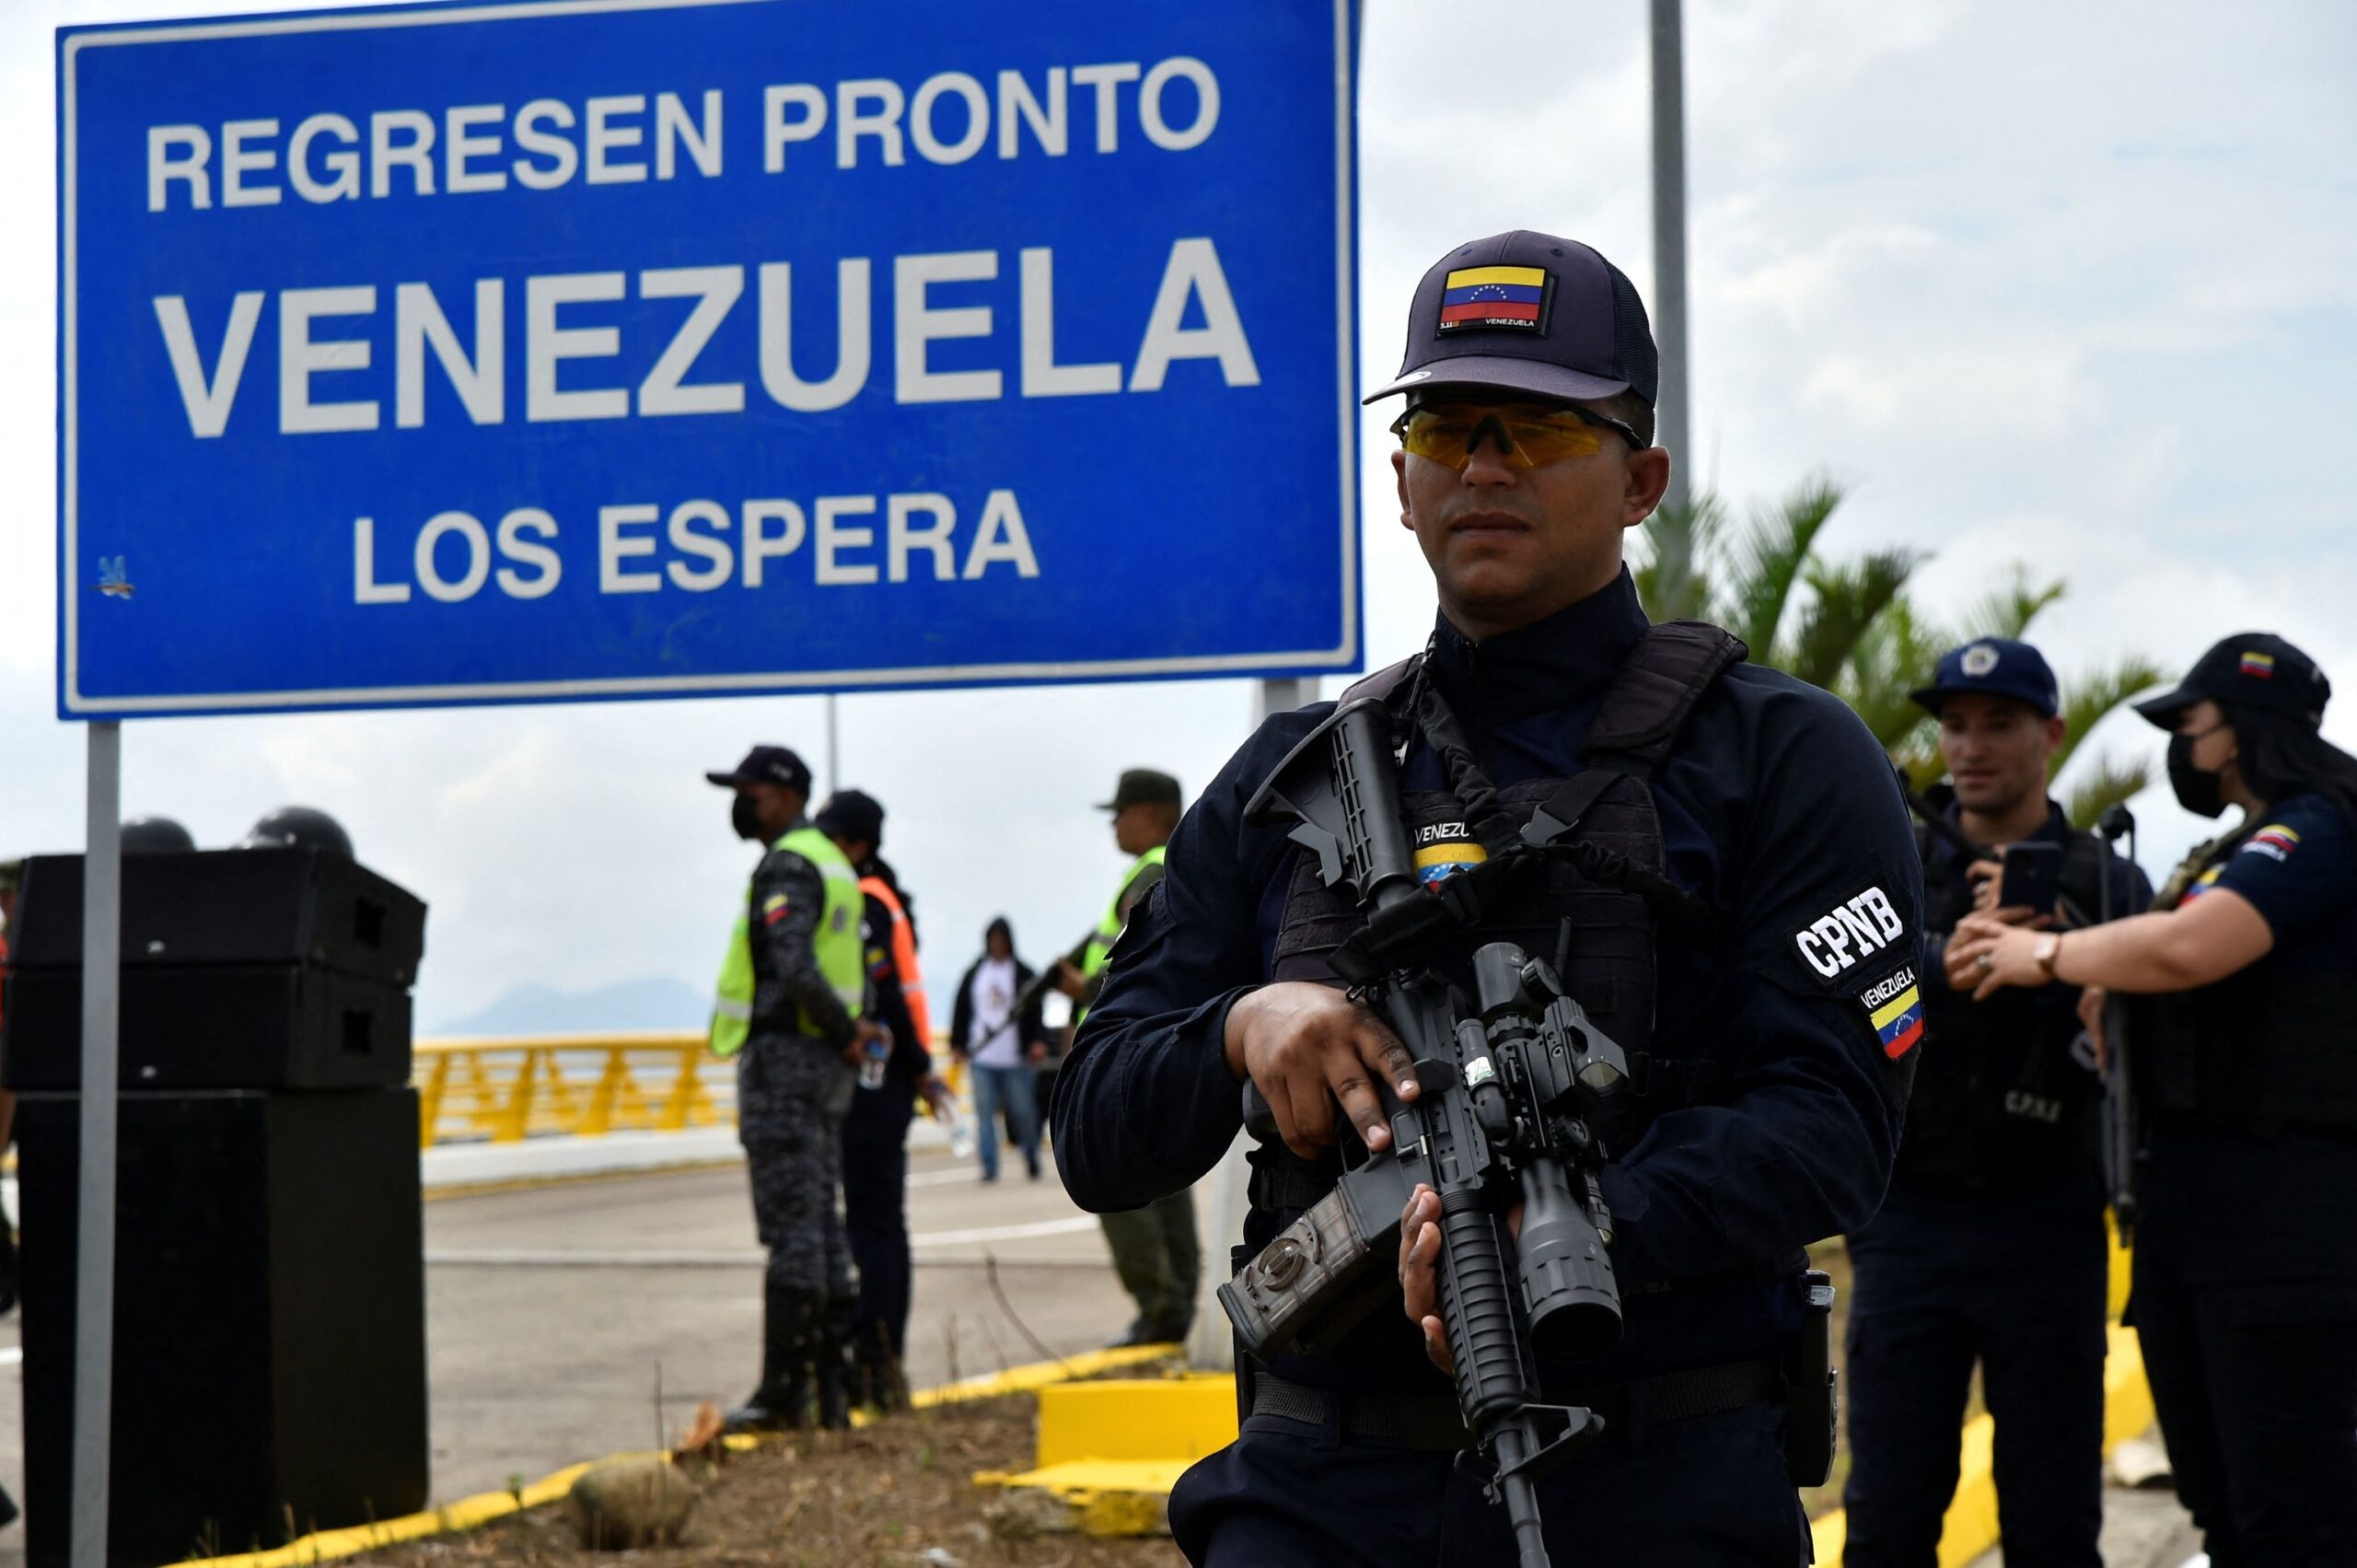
{"type": "Point", "coordinates": [1711, 1491]}
{"type": "Point", "coordinates": [876, 1214]}
{"type": "Point", "coordinates": [2016, 1281]}
{"type": "Point", "coordinates": [2245, 1301]}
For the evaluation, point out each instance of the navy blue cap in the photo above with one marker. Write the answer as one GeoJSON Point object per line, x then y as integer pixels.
{"type": "Point", "coordinates": [1528, 312]}
{"type": "Point", "coordinates": [850, 813]}
{"type": "Point", "coordinates": [1993, 667]}
{"type": "Point", "coordinates": [768, 764]}
{"type": "Point", "coordinates": [2249, 669]}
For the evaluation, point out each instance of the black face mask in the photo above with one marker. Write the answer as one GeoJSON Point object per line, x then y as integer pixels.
{"type": "Point", "coordinates": [2197, 789]}
{"type": "Point", "coordinates": [746, 818]}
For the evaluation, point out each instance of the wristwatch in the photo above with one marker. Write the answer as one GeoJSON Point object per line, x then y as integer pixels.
{"type": "Point", "coordinates": [2049, 948]}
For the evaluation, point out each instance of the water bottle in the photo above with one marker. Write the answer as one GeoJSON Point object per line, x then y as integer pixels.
{"type": "Point", "coordinates": [872, 1059]}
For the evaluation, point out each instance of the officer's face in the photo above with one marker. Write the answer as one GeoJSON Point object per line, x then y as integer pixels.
{"type": "Point", "coordinates": [1509, 545]}
{"type": "Point", "coordinates": [2214, 748]}
{"type": "Point", "coordinates": [774, 805]}
{"type": "Point", "coordinates": [1997, 750]}
{"type": "Point", "coordinates": [1140, 825]}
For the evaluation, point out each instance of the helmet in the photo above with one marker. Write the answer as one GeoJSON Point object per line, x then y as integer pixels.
{"type": "Point", "coordinates": [156, 835]}
{"type": "Point", "coordinates": [299, 827]}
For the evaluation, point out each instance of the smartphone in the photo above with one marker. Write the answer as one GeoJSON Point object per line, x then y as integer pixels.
{"type": "Point", "coordinates": [2032, 877]}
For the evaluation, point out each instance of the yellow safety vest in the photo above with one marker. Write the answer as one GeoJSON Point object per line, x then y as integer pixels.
{"type": "Point", "coordinates": [1109, 930]}
{"type": "Point", "coordinates": [835, 944]}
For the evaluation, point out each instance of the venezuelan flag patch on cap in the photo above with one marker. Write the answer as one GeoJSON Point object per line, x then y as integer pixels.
{"type": "Point", "coordinates": [2260, 665]}
{"type": "Point", "coordinates": [1512, 298]}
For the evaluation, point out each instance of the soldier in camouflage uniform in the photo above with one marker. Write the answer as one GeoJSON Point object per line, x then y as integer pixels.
{"type": "Point", "coordinates": [789, 1010]}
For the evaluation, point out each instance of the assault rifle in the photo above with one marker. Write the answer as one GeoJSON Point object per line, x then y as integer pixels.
{"type": "Point", "coordinates": [1511, 1079]}
{"type": "Point", "coordinates": [2119, 1130]}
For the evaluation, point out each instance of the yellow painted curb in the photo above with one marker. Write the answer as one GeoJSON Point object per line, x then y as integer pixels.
{"type": "Point", "coordinates": [470, 1513]}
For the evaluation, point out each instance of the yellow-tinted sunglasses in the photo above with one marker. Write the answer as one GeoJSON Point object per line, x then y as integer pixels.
{"type": "Point", "coordinates": [1527, 434]}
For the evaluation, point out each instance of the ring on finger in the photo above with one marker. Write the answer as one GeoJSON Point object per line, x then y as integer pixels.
{"type": "Point", "coordinates": [1984, 963]}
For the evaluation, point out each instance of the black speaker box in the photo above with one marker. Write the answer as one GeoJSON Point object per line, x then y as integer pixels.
{"type": "Point", "coordinates": [269, 1320]}
{"type": "Point", "coordinates": [229, 906]}
{"type": "Point", "coordinates": [227, 1026]}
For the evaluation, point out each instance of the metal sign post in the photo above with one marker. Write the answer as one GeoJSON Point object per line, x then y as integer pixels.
{"type": "Point", "coordinates": [1669, 244]}
{"type": "Point", "coordinates": [94, 1233]}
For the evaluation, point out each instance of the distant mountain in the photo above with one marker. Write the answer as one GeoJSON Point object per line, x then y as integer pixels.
{"type": "Point", "coordinates": [657, 1001]}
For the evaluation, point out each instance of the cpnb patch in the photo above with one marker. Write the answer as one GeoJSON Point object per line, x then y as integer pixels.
{"type": "Point", "coordinates": [1850, 931]}
{"type": "Point", "coordinates": [1894, 1007]}
{"type": "Point", "coordinates": [1444, 848]}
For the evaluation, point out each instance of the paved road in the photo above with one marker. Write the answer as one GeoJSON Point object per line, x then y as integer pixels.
{"type": "Point", "coordinates": [550, 1310]}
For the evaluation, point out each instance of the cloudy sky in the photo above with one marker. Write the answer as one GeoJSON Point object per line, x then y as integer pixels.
{"type": "Point", "coordinates": [2075, 285]}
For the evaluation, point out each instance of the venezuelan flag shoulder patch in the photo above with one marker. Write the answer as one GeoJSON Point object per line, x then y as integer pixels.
{"type": "Point", "coordinates": [1509, 299]}
{"type": "Point", "coordinates": [1894, 1007]}
{"type": "Point", "coordinates": [2275, 841]}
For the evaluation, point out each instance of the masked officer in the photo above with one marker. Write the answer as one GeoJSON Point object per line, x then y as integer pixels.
{"type": "Point", "coordinates": [1156, 1249]}
{"type": "Point", "coordinates": [1991, 1246]}
{"type": "Point", "coordinates": [876, 1129]}
{"type": "Point", "coordinates": [1771, 1096]}
{"type": "Point", "coordinates": [788, 1009]}
{"type": "Point", "coordinates": [2242, 1049]}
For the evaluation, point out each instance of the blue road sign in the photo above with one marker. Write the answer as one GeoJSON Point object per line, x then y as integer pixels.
{"type": "Point", "coordinates": [522, 353]}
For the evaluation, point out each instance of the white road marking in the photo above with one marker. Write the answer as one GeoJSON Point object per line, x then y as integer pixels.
{"type": "Point", "coordinates": [945, 1177]}
{"type": "Point", "coordinates": [552, 1258]}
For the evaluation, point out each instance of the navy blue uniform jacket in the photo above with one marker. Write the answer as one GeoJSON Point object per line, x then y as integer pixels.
{"type": "Point", "coordinates": [1777, 808]}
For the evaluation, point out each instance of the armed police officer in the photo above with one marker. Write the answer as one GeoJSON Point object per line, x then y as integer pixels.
{"type": "Point", "coordinates": [1757, 893]}
{"type": "Point", "coordinates": [1991, 1246]}
{"type": "Point", "coordinates": [2243, 1046]}
{"type": "Point", "coordinates": [789, 1010]}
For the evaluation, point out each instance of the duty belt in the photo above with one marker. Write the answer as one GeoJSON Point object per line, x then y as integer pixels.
{"type": "Point", "coordinates": [1430, 1421]}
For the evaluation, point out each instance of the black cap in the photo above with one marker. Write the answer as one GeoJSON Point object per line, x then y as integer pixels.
{"type": "Point", "coordinates": [768, 765]}
{"type": "Point", "coordinates": [1993, 667]}
{"type": "Point", "coordinates": [1139, 785]}
{"type": "Point", "coordinates": [852, 814]}
{"type": "Point", "coordinates": [157, 835]}
{"type": "Point", "coordinates": [298, 827]}
{"type": "Point", "coordinates": [1528, 313]}
{"type": "Point", "coordinates": [2249, 669]}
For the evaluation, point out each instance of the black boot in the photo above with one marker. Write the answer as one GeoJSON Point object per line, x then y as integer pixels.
{"type": "Point", "coordinates": [831, 1352]}
{"type": "Point", "coordinates": [789, 1337]}
{"type": "Point", "coordinates": [881, 1382]}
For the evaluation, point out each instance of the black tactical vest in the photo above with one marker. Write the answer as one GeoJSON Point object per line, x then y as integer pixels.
{"type": "Point", "coordinates": [1998, 1102]}
{"type": "Point", "coordinates": [2273, 1046]}
{"type": "Point", "coordinates": [1608, 804]}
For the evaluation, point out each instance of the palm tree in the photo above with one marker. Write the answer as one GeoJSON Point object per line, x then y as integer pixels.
{"type": "Point", "coordinates": [1853, 628]}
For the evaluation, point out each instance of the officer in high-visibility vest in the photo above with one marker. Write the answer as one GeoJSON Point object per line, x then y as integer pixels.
{"type": "Point", "coordinates": [1155, 1251]}
{"type": "Point", "coordinates": [788, 1009]}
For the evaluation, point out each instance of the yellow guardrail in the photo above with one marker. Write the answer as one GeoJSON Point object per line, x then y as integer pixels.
{"type": "Point", "coordinates": [504, 1088]}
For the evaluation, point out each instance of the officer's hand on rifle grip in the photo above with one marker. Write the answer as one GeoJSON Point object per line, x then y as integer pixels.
{"type": "Point", "coordinates": [1307, 1047]}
